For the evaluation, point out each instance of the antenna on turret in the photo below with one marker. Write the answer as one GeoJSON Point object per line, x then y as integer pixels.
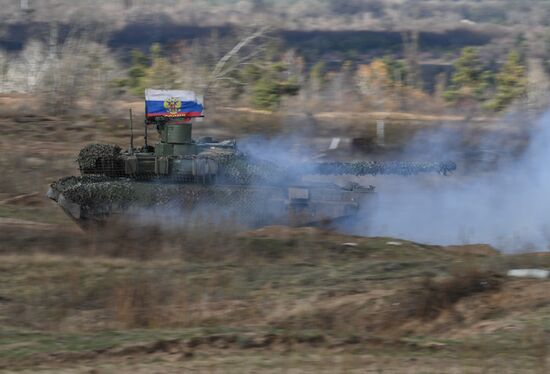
{"type": "Point", "coordinates": [131, 132]}
{"type": "Point", "coordinates": [145, 136]}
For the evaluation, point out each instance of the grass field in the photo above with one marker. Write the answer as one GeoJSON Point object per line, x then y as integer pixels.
{"type": "Point", "coordinates": [275, 298]}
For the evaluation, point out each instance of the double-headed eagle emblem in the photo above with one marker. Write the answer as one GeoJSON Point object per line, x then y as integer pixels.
{"type": "Point", "coordinates": [172, 105]}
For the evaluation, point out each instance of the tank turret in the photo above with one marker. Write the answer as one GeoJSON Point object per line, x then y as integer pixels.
{"type": "Point", "coordinates": [176, 156]}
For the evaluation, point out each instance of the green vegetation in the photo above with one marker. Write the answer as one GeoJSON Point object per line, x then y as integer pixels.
{"type": "Point", "coordinates": [154, 70]}
{"type": "Point", "coordinates": [137, 73]}
{"type": "Point", "coordinates": [267, 92]}
{"type": "Point", "coordinates": [511, 83]}
{"type": "Point", "coordinates": [263, 80]}
{"type": "Point", "coordinates": [470, 80]}
{"type": "Point", "coordinates": [397, 69]}
{"type": "Point", "coordinates": [473, 83]}
{"type": "Point", "coordinates": [331, 68]}
{"type": "Point", "coordinates": [318, 72]}
{"type": "Point", "coordinates": [263, 74]}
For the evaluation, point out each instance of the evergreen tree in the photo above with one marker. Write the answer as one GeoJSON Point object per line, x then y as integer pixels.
{"type": "Point", "coordinates": [155, 70]}
{"type": "Point", "coordinates": [137, 72]}
{"type": "Point", "coordinates": [397, 70]}
{"type": "Point", "coordinates": [161, 74]}
{"type": "Point", "coordinates": [317, 75]}
{"type": "Point", "coordinates": [511, 83]}
{"type": "Point", "coordinates": [470, 79]}
{"type": "Point", "coordinates": [265, 93]}
{"type": "Point", "coordinates": [268, 91]}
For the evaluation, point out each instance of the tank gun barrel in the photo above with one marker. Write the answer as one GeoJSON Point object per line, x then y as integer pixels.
{"type": "Point", "coordinates": [405, 168]}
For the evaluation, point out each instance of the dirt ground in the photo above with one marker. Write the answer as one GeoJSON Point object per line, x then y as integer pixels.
{"type": "Point", "coordinates": [272, 300]}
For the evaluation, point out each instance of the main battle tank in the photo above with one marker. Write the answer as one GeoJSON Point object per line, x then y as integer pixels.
{"type": "Point", "coordinates": [184, 179]}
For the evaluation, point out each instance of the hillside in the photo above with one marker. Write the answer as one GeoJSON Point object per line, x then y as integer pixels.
{"type": "Point", "coordinates": [303, 15]}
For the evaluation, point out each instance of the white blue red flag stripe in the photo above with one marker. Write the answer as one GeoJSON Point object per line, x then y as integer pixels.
{"type": "Point", "coordinates": [173, 103]}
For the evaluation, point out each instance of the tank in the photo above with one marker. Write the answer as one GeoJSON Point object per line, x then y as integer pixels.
{"type": "Point", "coordinates": [180, 178]}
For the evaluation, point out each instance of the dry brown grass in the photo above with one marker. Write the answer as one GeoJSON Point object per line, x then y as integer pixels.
{"type": "Point", "coordinates": [142, 302]}
{"type": "Point", "coordinates": [272, 290]}
{"type": "Point", "coordinates": [431, 296]}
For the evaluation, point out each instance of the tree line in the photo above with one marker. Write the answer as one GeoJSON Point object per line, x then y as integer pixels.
{"type": "Point", "coordinates": [273, 78]}
{"type": "Point", "coordinates": [258, 71]}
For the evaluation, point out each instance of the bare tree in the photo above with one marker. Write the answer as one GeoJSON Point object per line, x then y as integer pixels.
{"type": "Point", "coordinates": [538, 86]}
{"type": "Point", "coordinates": [231, 60]}
{"type": "Point", "coordinates": [410, 47]}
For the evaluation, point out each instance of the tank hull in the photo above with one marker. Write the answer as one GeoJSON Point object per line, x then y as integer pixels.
{"type": "Point", "coordinates": [92, 202]}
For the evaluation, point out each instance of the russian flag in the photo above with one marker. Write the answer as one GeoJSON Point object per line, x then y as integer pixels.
{"type": "Point", "coordinates": [173, 103]}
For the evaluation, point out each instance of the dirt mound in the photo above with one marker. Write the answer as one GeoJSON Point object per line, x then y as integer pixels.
{"type": "Point", "coordinates": [431, 296]}
{"type": "Point", "coordinates": [283, 232]}
{"type": "Point", "coordinates": [473, 249]}
{"type": "Point", "coordinates": [501, 310]}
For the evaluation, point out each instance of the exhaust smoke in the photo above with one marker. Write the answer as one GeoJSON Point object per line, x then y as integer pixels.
{"type": "Point", "coordinates": [507, 208]}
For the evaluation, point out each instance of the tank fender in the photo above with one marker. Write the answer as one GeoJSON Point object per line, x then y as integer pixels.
{"type": "Point", "coordinates": [52, 194]}
{"type": "Point", "coordinates": [68, 206]}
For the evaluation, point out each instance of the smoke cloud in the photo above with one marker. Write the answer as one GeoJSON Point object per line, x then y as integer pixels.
{"type": "Point", "coordinates": [507, 207]}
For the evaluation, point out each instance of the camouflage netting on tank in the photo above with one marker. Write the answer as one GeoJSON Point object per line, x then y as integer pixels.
{"type": "Point", "coordinates": [88, 156]}
{"type": "Point", "coordinates": [68, 182]}
{"type": "Point", "coordinates": [242, 170]}
{"type": "Point", "coordinates": [238, 168]}
{"type": "Point", "coordinates": [187, 197]}
{"type": "Point", "coordinates": [241, 205]}
{"type": "Point", "coordinates": [384, 168]}
{"type": "Point", "coordinates": [101, 195]}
